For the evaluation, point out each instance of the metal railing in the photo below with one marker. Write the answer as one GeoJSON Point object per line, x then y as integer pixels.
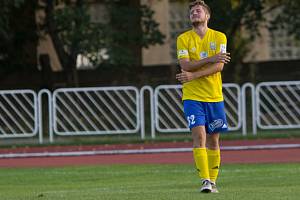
{"type": "Point", "coordinates": [94, 111]}
{"type": "Point", "coordinates": [18, 113]}
{"type": "Point", "coordinates": [142, 110]}
{"type": "Point", "coordinates": [233, 105]}
{"type": "Point", "coordinates": [244, 108]}
{"type": "Point", "coordinates": [41, 114]}
{"type": "Point", "coordinates": [168, 109]}
{"type": "Point", "coordinates": [278, 105]}
{"type": "Point", "coordinates": [121, 110]}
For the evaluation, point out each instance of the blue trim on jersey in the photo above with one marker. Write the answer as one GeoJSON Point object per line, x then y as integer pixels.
{"type": "Point", "coordinates": [209, 114]}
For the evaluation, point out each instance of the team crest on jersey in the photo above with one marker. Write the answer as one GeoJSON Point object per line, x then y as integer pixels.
{"type": "Point", "coordinates": [203, 54]}
{"type": "Point", "coordinates": [213, 45]}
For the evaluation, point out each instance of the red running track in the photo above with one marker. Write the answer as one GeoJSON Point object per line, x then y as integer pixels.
{"type": "Point", "coordinates": [245, 156]}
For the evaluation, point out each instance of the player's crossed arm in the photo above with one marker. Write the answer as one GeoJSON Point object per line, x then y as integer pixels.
{"type": "Point", "coordinates": [217, 62]}
{"type": "Point", "coordinates": [220, 58]}
{"type": "Point", "coordinates": [185, 76]}
{"type": "Point", "coordinates": [190, 66]}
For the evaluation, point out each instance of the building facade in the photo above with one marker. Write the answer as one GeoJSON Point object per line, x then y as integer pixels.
{"type": "Point", "coordinates": [172, 15]}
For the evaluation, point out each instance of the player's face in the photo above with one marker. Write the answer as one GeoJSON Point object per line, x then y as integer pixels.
{"type": "Point", "coordinates": [198, 14]}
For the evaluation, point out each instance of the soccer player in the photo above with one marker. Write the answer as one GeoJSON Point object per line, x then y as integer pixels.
{"type": "Point", "coordinates": [202, 55]}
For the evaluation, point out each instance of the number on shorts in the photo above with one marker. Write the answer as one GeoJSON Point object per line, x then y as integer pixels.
{"type": "Point", "coordinates": [191, 120]}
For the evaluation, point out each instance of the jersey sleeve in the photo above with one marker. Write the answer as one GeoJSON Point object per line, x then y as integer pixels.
{"type": "Point", "coordinates": [221, 43]}
{"type": "Point", "coordinates": [182, 48]}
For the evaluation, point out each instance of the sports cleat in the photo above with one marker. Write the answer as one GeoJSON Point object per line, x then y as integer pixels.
{"type": "Point", "coordinates": [206, 186]}
{"type": "Point", "coordinates": [214, 188]}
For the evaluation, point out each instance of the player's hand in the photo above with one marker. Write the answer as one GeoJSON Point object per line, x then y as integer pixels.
{"type": "Point", "coordinates": [220, 58]}
{"type": "Point", "coordinates": [185, 76]}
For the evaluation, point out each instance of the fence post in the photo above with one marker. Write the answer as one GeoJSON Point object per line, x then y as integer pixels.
{"type": "Point", "coordinates": [142, 111]}
{"type": "Point", "coordinates": [40, 114]}
{"type": "Point", "coordinates": [244, 109]}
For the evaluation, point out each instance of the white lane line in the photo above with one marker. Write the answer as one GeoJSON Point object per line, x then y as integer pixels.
{"type": "Point", "coordinates": [142, 151]}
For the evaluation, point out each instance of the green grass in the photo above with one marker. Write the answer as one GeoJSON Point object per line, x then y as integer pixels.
{"type": "Point", "coordinates": [155, 182]}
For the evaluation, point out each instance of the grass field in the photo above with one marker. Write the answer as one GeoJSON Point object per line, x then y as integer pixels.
{"type": "Point", "coordinates": [157, 182]}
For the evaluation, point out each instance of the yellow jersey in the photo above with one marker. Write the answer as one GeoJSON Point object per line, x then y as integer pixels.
{"type": "Point", "coordinates": [191, 46]}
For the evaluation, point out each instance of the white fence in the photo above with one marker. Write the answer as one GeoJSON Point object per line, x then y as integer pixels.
{"type": "Point", "coordinates": [18, 114]}
{"type": "Point", "coordinates": [278, 105]}
{"type": "Point", "coordinates": [121, 110]}
{"type": "Point", "coordinates": [90, 111]}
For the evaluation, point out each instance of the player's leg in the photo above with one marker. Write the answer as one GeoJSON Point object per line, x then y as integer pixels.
{"type": "Point", "coordinates": [196, 118]}
{"type": "Point", "coordinates": [216, 123]}
{"type": "Point", "coordinates": [199, 151]}
{"type": "Point", "coordinates": [214, 158]}
{"type": "Point", "coordinates": [200, 157]}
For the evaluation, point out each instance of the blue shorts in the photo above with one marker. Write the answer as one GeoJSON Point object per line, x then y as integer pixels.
{"type": "Point", "coordinates": [211, 115]}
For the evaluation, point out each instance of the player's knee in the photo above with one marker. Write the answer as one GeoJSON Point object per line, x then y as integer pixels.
{"type": "Point", "coordinates": [198, 143]}
{"type": "Point", "coordinates": [213, 143]}
{"type": "Point", "coordinates": [214, 147]}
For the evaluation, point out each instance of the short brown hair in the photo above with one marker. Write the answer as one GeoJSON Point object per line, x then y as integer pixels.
{"type": "Point", "coordinates": [201, 3]}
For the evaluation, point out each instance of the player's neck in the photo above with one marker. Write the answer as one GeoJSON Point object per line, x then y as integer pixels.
{"type": "Point", "coordinates": [201, 30]}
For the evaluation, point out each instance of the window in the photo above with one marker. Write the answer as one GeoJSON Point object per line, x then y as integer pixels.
{"type": "Point", "coordinates": [283, 46]}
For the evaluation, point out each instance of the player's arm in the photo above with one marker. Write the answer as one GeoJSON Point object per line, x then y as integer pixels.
{"type": "Point", "coordinates": [191, 66]}
{"type": "Point", "coordinates": [186, 76]}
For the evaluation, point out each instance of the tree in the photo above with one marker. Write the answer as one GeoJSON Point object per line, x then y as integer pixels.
{"type": "Point", "coordinates": [289, 17]}
{"type": "Point", "coordinates": [18, 37]}
{"type": "Point", "coordinates": [72, 33]}
{"type": "Point", "coordinates": [6, 9]}
{"type": "Point", "coordinates": [130, 27]}
{"type": "Point", "coordinates": [236, 18]}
